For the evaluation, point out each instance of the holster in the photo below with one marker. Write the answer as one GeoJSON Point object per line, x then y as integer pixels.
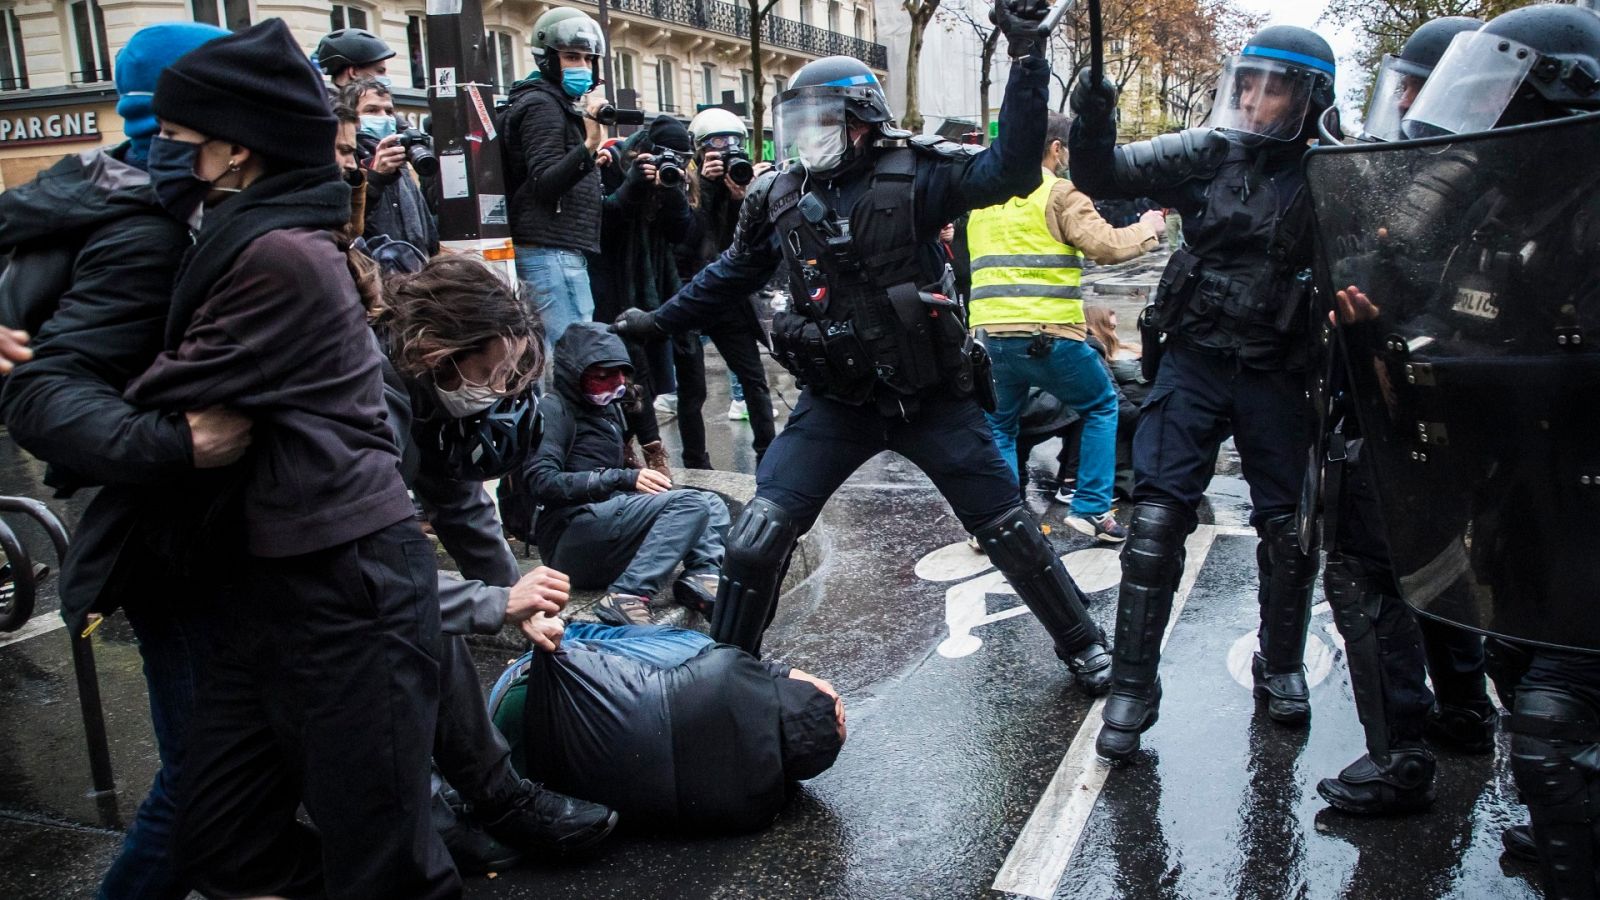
{"type": "Point", "coordinates": [1151, 336]}
{"type": "Point", "coordinates": [982, 366]}
{"type": "Point", "coordinates": [1166, 308]}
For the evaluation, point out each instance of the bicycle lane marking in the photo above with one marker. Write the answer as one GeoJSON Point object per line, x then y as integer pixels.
{"type": "Point", "coordinates": [35, 626]}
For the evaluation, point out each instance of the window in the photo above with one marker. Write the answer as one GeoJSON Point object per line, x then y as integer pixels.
{"type": "Point", "coordinates": [744, 87]}
{"type": "Point", "coordinates": [347, 17]}
{"type": "Point", "coordinates": [624, 69]}
{"type": "Point", "coordinates": [666, 91]}
{"type": "Point", "coordinates": [503, 58]}
{"type": "Point", "coordinates": [805, 12]}
{"type": "Point", "coordinates": [833, 16]}
{"type": "Point", "coordinates": [89, 34]}
{"type": "Point", "coordinates": [417, 47]}
{"type": "Point", "coordinates": [13, 61]}
{"type": "Point", "coordinates": [861, 25]}
{"type": "Point", "coordinates": [708, 84]}
{"type": "Point", "coordinates": [231, 14]}
{"type": "Point", "coordinates": [779, 84]}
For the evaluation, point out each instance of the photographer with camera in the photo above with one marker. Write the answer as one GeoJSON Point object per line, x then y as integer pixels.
{"type": "Point", "coordinates": [717, 181]}
{"type": "Point", "coordinates": [396, 207]}
{"type": "Point", "coordinates": [645, 215]}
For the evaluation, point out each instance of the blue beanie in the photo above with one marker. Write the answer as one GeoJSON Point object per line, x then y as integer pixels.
{"type": "Point", "coordinates": [139, 64]}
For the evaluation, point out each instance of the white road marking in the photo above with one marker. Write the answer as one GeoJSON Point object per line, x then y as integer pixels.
{"type": "Point", "coordinates": [36, 626]}
{"type": "Point", "coordinates": [1037, 860]}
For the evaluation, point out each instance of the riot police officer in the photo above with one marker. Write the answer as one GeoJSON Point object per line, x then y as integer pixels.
{"type": "Point", "coordinates": [1475, 383]}
{"type": "Point", "coordinates": [1387, 646]}
{"type": "Point", "coordinates": [1233, 308]}
{"type": "Point", "coordinates": [875, 338]}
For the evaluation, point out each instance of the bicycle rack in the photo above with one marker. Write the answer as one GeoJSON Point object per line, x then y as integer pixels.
{"type": "Point", "coordinates": [83, 667]}
{"type": "Point", "coordinates": [25, 587]}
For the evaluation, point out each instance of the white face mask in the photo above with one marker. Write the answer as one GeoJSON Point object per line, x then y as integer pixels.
{"type": "Point", "coordinates": [821, 149]}
{"type": "Point", "coordinates": [467, 400]}
{"type": "Point", "coordinates": [609, 396]}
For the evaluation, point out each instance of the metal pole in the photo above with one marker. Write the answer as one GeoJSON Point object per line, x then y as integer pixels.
{"type": "Point", "coordinates": [605, 64]}
{"type": "Point", "coordinates": [473, 209]}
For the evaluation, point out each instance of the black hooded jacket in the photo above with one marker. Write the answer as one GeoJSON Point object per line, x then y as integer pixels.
{"type": "Point", "coordinates": [551, 179]}
{"type": "Point", "coordinates": [580, 459]}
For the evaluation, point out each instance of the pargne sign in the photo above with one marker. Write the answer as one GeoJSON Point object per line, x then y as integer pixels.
{"type": "Point", "coordinates": [48, 127]}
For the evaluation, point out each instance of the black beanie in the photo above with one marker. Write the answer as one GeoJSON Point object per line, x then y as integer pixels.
{"type": "Point", "coordinates": [809, 731]}
{"type": "Point", "coordinates": [667, 131]}
{"type": "Point", "coordinates": [255, 88]}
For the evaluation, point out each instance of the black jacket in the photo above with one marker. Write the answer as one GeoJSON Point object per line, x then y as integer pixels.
{"type": "Point", "coordinates": [643, 227]}
{"type": "Point", "coordinates": [580, 459]}
{"type": "Point", "coordinates": [396, 206]}
{"type": "Point", "coordinates": [93, 258]}
{"type": "Point", "coordinates": [551, 177]}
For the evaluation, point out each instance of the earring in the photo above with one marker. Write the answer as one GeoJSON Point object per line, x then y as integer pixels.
{"type": "Point", "coordinates": [233, 167]}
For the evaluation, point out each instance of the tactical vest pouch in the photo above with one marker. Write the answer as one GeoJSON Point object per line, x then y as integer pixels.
{"type": "Point", "coordinates": [1173, 292]}
{"type": "Point", "coordinates": [920, 357]}
{"type": "Point", "coordinates": [825, 356]}
{"type": "Point", "coordinates": [1296, 304]}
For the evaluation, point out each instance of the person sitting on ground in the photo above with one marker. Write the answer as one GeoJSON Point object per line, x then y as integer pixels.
{"type": "Point", "coordinates": [667, 726]}
{"type": "Point", "coordinates": [606, 524]}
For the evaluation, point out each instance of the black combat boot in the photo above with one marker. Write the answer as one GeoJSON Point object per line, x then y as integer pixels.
{"type": "Point", "coordinates": [539, 819]}
{"type": "Point", "coordinates": [1398, 782]}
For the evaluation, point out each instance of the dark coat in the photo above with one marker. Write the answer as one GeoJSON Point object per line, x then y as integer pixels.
{"type": "Point", "coordinates": [580, 459]}
{"type": "Point", "coordinates": [396, 206]}
{"type": "Point", "coordinates": [551, 177]}
{"type": "Point", "coordinates": [642, 229]}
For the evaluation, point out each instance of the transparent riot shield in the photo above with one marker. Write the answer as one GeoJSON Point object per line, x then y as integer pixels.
{"type": "Point", "coordinates": [1477, 376]}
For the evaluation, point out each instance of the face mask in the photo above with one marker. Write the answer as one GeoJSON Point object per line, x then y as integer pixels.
{"type": "Point", "coordinates": [384, 80]}
{"type": "Point", "coordinates": [467, 400]}
{"type": "Point", "coordinates": [605, 397]}
{"type": "Point", "coordinates": [601, 386]}
{"type": "Point", "coordinates": [821, 149]}
{"type": "Point", "coordinates": [379, 127]}
{"type": "Point", "coordinates": [577, 82]}
{"type": "Point", "coordinates": [178, 189]}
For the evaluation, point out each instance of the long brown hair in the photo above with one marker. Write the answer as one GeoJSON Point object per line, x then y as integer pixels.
{"type": "Point", "coordinates": [1097, 319]}
{"type": "Point", "coordinates": [455, 306]}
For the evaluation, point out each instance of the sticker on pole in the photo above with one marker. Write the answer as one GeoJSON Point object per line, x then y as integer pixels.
{"type": "Point", "coordinates": [453, 183]}
{"type": "Point", "coordinates": [483, 111]}
{"type": "Point", "coordinates": [444, 82]}
{"type": "Point", "coordinates": [492, 209]}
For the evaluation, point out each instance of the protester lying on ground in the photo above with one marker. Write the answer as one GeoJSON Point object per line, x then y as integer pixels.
{"type": "Point", "coordinates": [465, 352]}
{"type": "Point", "coordinates": [322, 688]}
{"type": "Point", "coordinates": [602, 523]}
{"type": "Point", "coordinates": [667, 726]}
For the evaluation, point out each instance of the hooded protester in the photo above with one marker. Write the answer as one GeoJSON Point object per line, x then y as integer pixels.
{"type": "Point", "coordinates": [668, 726]}
{"type": "Point", "coordinates": [332, 582]}
{"type": "Point", "coordinates": [601, 522]}
{"type": "Point", "coordinates": [93, 257]}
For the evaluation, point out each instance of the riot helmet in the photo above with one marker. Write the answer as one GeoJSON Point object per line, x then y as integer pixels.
{"type": "Point", "coordinates": [484, 445]}
{"type": "Point", "coordinates": [1271, 89]}
{"type": "Point", "coordinates": [1530, 64]}
{"type": "Point", "coordinates": [1401, 76]}
{"type": "Point", "coordinates": [812, 117]}
{"type": "Point", "coordinates": [564, 28]}
{"type": "Point", "coordinates": [350, 48]}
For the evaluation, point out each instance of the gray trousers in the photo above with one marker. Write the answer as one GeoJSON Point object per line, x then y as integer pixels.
{"type": "Point", "coordinates": [631, 543]}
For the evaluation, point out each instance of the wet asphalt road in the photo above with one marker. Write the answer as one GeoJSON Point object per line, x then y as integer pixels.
{"type": "Point", "coordinates": [960, 717]}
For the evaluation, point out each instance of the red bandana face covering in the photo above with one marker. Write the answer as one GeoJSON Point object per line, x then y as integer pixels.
{"type": "Point", "coordinates": [602, 386]}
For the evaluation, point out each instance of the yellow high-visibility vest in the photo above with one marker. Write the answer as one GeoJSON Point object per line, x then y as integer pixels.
{"type": "Point", "coordinates": [1020, 273]}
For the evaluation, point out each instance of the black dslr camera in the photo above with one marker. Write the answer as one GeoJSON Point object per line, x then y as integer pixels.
{"type": "Point", "coordinates": [740, 169]}
{"type": "Point", "coordinates": [669, 167]}
{"type": "Point", "coordinates": [419, 151]}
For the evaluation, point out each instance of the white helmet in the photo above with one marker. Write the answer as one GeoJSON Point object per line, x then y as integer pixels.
{"type": "Point", "coordinates": [716, 120]}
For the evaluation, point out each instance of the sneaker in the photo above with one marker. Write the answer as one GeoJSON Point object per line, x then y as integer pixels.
{"type": "Point", "coordinates": [540, 819]}
{"type": "Point", "coordinates": [1103, 527]}
{"type": "Point", "coordinates": [697, 591]}
{"type": "Point", "coordinates": [475, 851]}
{"type": "Point", "coordinates": [666, 404]}
{"type": "Point", "coordinates": [738, 411]}
{"type": "Point", "coordinates": [1066, 492]}
{"type": "Point", "coordinates": [623, 609]}
{"type": "Point", "coordinates": [973, 544]}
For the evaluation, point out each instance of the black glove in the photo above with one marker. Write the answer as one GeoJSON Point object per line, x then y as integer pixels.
{"type": "Point", "coordinates": [1019, 21]}
{"type": "Point", "coordinates": [1095, 102]}
{"type": "Point", "coordinates": [637, 324]}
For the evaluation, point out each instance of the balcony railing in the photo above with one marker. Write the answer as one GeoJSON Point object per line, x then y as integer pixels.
{"type": "Point", "coordinates": [728, 18]}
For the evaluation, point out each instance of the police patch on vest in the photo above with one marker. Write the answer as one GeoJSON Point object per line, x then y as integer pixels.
{"type": "Point", "coordinates": [1475, 303]}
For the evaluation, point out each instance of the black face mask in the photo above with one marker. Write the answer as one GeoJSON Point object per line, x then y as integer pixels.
{"type": "Point", "coordinates": [178, 189]}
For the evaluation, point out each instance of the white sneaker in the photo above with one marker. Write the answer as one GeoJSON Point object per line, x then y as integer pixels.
{"type": "Point", "coordinates": [738, 412]}
{"type": "Point", "coordinates": [666, 404]}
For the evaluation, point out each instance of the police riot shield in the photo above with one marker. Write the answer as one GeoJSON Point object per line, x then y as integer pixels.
{"type": "Point", "coordinates": [1474, 366]}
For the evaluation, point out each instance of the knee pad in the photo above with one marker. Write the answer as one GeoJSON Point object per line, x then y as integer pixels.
{"type": "Point", "coordinates": [1506, 664]}
{"type": "Point", "coordinates": [1020, 550]}
{"type": "Point", "coordinates": [1014, 543]}
{"type": "Point", "coordinates": [1154, 554]}
{"type": "Point", "coordinates": [1354, 604]}
{"type": "Point", "coordinates": [752, 571]}
{"type": "Point", "coordinates": [1280, 540]}
{"type": "Point", "coordinates": [762, 537]}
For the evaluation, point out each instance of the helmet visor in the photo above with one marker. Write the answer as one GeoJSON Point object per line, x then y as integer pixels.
{"type": "Point", "coordinates": [1394, 92]}
{"type": "Point", "coordinates": [810, 128]}
{"type": "Point", "coordinates": [1261, 96]}
{"type": "Point", "coordinates": [579, 33]}
{"type": "Point", "coordinates": [1471, 87]}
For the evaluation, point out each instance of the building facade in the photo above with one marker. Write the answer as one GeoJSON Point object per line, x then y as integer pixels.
{"type": "Point", "coordinates": [56, 56]}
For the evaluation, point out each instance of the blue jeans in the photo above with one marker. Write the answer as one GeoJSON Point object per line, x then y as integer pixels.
{"type": "Point", "coordinates": [657, 645]}
{"type": "Point", "coordinates": [1073, 373]}
{"type": "Point", "coordinates": [560, 282]}
{"type": "Point", "coordinates": [173, 645]}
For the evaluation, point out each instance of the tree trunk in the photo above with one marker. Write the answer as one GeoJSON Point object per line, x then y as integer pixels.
{"type": "Point", "coordinates": [920, 16]}
{"type": "Point", "coordinates": [985, 81]}
{"type": "Point", "coordinates": [758, 87]}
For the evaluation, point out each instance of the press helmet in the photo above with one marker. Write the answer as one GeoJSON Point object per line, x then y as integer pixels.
{"type": "Point", "coordinates": [1281, 80]}
{"type": "Point", "coordinates": [565, 28]}
{"type": "Point", "coordinates": [349, 48]}
{"type": "Point", "coordinates": [714, 121]}
{"type": "Point", "coordinates": [485, 445]}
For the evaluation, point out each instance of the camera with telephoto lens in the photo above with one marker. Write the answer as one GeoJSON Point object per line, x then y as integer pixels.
{"type": "Point", "coordinates": [419, 151]}
{"type": "Point", "coordinates": [609, 114]}
{"type": "Point", "coordinates": [669, 167]}
{"type": "Point", "coordinates": [740, 169]}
